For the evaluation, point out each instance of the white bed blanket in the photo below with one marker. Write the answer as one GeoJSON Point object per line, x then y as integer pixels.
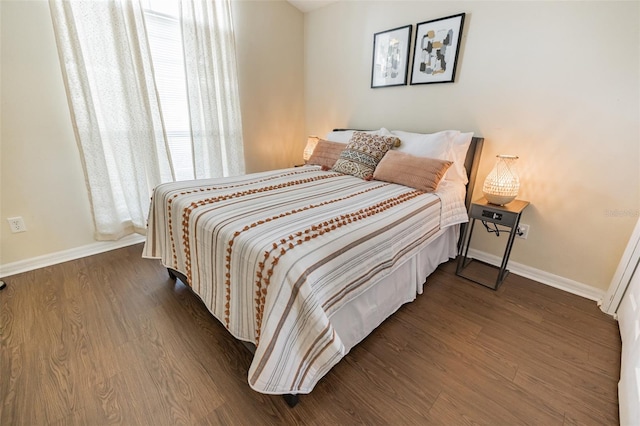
{"type": "Point", "coordinates": [273, 254]}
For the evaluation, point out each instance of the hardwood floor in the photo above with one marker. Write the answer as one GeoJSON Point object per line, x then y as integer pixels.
{"type": "Point", "coordinates": [112, 339]}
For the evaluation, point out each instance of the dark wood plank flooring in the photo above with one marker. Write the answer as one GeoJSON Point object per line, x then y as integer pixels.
{"type": "Point", "coordinates": [112, 339]}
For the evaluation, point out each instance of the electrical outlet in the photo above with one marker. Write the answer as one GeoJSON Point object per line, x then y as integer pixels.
{"type": "Point", "coordinates": [17, 224]}
{"type": "Point", "coordinates": [522, 231]}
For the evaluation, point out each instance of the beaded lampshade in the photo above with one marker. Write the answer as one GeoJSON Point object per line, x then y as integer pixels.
{"type": "Point", "coordinates": [502, 184]}
{"type": "Point", "coordinates": [312, 141]}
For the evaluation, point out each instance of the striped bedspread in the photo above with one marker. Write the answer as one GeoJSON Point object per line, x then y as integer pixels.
{"type": "Point", "coordinates": [273, 254]}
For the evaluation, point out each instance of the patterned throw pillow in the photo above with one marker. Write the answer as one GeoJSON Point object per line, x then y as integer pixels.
{"type": "Point", "coordinates": [363, 153]}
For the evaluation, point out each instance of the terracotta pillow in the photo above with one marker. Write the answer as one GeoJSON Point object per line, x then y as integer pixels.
{"type": "Point", "coordinates": [421, 173]}
{"type": "Point", "coordinates": [363, 153]}
{"type": "Point", "coordinates": [326, 153]}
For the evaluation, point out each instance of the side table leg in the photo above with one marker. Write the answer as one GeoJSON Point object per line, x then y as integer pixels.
{"type": "Point", "coordinates": [502, 274]}
{"type": "Point", "coordinates": [464, 249]}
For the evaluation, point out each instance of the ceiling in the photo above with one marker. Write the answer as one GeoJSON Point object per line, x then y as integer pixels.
{"type": "Point", "coordinates": [309, 5]}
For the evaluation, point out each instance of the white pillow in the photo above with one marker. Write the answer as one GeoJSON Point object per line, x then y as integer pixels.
{"type": "Point", "coordinates": [344, 136]}
{"type": "Point", "coordinates": [448, 145]}
{"type": "Point", "coordinates": [432, 145]}
{"type": "Point", "coordinates": [459, 149]}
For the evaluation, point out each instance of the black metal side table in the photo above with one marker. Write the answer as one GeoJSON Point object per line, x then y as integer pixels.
{"type": "Point", "coordinates": [507, 216]}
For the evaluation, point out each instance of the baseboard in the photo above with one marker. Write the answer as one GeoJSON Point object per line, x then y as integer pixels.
{"type": "Point", "coordinates": [543, 277]}
{"type": "Point", "coordinates": [67, 255]}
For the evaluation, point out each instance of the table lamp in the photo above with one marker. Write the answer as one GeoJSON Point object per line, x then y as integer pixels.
{"type": "Point", "coordinates": [502, 184]}
{"type": "Point", "coordinates": [312, 141]}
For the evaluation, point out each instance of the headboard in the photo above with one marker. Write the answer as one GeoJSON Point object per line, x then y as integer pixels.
{"type": "Point", "coordinates": [471, 164]}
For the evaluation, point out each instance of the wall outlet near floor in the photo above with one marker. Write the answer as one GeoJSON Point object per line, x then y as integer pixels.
{"type": "Point", "coordinates": [522, 231]}
{"type": "Point", "coordinates": [17, 224]}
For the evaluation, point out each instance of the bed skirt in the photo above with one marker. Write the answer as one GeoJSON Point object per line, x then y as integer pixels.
{"type": "Point", "coordinates": [360, 316]}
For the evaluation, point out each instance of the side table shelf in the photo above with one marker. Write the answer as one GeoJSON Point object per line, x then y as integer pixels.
{"type": "Point", "coordinates": [507, 216]}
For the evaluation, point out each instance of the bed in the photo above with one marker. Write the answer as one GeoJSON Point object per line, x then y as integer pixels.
{"type": "Point", "coordinates": [303, 263]}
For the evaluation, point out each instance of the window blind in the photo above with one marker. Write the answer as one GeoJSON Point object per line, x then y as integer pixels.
{"type": "Point", "coordinates": [165, 43]}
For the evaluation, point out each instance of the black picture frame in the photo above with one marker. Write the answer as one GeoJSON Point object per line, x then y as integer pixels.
{"type": "Point", "coordinates": [436, 49]}
{"type": "Point", "coordinates": [390, 62]}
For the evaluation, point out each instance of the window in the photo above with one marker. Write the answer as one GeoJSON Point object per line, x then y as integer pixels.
{"type": "Point", "coordinates": [139, 79]}
{"type": "Point", "coordinates": [165, 42]}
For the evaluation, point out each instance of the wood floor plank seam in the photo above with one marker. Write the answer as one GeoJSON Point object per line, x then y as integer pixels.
{"type": "Point", "coordinates": [111, 339]}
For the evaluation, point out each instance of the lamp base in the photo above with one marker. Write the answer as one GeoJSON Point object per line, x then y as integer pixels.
{"type": "Point", "coordinates": [499, 200]}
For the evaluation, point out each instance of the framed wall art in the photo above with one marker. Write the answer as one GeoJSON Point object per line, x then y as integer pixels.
{"type": "Point", "coordinates": [435, 51]}
{"type": "Point", "coordinates": [391, 57]}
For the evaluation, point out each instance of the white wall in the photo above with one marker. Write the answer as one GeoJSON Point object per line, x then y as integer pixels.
{"type": "Point", "coordinates": [270, 51]}
{"type": "Point", "coordinates": [556, 83]}
{"type": "Point", "coordinates": [41, 176]}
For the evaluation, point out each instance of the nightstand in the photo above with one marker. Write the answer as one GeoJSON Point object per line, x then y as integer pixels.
{"type": "Point", "coordinates": [490, 215]}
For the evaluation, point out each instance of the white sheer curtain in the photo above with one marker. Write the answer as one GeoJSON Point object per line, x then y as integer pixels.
{"type": "Point", "coordinates": [212, 87]}
{"type": "Point", "coordinates": [117, 112]}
